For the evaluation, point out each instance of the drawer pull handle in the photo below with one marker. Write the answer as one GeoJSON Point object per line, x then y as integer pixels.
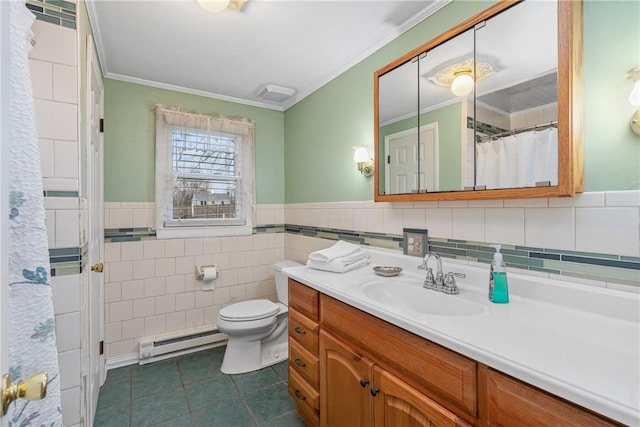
{"type": "Point", "coordinates": [299, 395]}
{"type": "Point", "coordinates": [374, 391]}
{"type": "Point", "coordinates": [299, 330]}
{"type": "Point", "coordinates": [364, 382]}
{"type": "Point", "coordinates": [298, 362]}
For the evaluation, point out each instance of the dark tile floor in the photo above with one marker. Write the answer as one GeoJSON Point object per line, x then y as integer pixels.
{"type": "Point", "coordinates": [191, 391]}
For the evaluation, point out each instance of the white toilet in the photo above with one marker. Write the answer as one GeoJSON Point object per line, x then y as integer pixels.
{"type": "Point", "coordinates": [257, 329]}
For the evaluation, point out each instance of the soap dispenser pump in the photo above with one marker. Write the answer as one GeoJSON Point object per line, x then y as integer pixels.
{"type": "Point", "coordinates": [498, 289]}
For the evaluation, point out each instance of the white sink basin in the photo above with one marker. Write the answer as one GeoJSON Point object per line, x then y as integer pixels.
{"type": "Point", "coordinates": [414, 298]}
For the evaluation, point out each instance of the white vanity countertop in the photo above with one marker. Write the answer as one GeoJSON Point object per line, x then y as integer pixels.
{"type": "Point", "coordinates": [578, 342]}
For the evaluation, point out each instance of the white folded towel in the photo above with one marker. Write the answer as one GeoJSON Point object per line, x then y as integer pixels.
{"type": "Point", "coordinates": [338, 250]}
{"type": "Point", "coordinates": [340, 265]}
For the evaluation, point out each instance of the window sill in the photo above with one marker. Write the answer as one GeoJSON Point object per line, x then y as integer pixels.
{"type": "Point", "coordinates": [192, 232]}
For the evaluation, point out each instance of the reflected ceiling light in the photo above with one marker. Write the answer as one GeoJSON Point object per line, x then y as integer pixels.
{"type": "Point", "coordinates": [220, 5]}
{"type": "Point", "coordinates": [462, 76]}
{"type": "Point", "coordinates": [462, 84]}
{"type": "Point", "coordinates": [634, 98]}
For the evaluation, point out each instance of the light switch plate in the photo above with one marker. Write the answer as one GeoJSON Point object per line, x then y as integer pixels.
{"type": "Point", "coordinates": [415, 242]}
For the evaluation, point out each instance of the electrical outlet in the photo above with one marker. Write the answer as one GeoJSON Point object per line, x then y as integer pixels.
{"type": "Point", "coordinates": [415, 242]}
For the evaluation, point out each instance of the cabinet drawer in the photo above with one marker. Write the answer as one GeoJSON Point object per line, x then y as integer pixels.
{"type": "Point", "coordinates": [510, 402]}
{"type": "Point", "coordinates": [304, 363]}
{"type": "Point", "coordinates": [303, 394]}
{"type": "Point", "coordinates": [441, 374]}
{"type": "Point", "coordinates": [304, 331]}
{"type": "Point", "coordinates": [304, 299]}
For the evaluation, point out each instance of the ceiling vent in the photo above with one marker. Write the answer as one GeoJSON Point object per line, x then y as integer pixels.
{"type": "Point", "coordinates": [275, 93]}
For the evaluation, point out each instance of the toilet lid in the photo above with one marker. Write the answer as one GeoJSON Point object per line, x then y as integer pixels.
{"type": "Point", "coordinates": [249, 310]}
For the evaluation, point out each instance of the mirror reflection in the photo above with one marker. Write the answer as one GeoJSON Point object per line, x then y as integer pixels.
{"type": "Point", "coordinates": [476, 112]}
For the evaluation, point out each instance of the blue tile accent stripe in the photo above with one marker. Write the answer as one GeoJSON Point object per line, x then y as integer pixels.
{"type": "Point", "coordinates": [601, 267]}
{"type": "Point", "coordinates": [67, 261]}
{"type": "Point", "coordinates": [51, 193]}
{"type": "Point", "coordinates": [57, 12]}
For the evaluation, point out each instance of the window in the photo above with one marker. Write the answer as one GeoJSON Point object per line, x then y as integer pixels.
{"type": "Point", "coordinates": [204, 174]}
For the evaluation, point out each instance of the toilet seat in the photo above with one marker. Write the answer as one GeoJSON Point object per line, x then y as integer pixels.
{"type": "Point", "coordinates": [245, 311]}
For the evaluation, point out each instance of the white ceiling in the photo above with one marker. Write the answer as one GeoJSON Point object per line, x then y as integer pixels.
{"type": "Point", "coordinates": [230, 55]}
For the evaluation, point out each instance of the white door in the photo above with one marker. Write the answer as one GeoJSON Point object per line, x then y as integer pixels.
{"type": "Point", "coordinates": [4, 192]}
{"type": "Point", "coordinates": [412, 164]}
{"type": "Point", "coordinates": [93, 298]}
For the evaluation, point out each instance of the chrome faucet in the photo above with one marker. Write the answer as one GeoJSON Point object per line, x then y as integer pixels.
{"type": "Point", "coordinates": [439, 282]}
{"type": "Point", "coordinates": [431, 282]}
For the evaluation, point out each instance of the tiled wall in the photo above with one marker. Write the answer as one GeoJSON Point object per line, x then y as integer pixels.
{"type": "Point", "coordinates": [150, 284]}
{"type": "Point", "coordinates": [151, 288]}
{"type": "Point", "coordinates": [54, 70]}
{"type": "Point", "coordinates": [592, 239]}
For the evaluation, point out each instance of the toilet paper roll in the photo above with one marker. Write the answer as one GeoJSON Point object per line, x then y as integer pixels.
{"type": "Point", "coordinates": [210, 274]}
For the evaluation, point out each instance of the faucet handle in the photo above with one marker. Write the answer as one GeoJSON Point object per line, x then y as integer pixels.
{"type": "Point", "coordinates": [450, 286]}
{"type": "Point", "coordinates": [429, 281]}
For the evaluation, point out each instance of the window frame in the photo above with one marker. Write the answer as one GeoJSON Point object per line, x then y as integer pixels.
{"type": "Point", "coordinates": [169, 118]}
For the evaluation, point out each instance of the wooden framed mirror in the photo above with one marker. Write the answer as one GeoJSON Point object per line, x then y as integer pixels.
{"type": "Point", "coordinates": [509, 127]}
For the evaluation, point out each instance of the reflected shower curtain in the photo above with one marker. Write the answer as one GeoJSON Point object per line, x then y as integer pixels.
{"type": "Point", "coordinates": [32, 340]}
{"type": "Point", "coordinates": [520, 160]}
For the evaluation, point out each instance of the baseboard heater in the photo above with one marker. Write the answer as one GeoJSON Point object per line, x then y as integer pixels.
{"type": "Point", "coordinates": [160, 347]}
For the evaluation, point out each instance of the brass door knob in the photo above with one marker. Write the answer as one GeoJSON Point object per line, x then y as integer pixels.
{"type": "Point", "coordinates": [34, 388]}
{"type": "Point", "coordinates": [97, 267]}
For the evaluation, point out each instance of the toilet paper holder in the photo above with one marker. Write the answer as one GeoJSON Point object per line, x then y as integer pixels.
{"type": "Point", "coordinates": [200, 269]}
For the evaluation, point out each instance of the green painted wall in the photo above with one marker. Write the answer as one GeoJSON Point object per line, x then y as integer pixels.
{"type": "Point", "coordinates": [129, 140]}
{"type": "Point", "coordinates": [305, 154]}
{"type": "Point", "coordinates": [327, 124]}
{"type": "Point", "coordinates": [611, 48]}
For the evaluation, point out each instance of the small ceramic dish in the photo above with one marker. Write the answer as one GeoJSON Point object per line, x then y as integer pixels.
{"type": "Point", "coordinates": [387, 271]}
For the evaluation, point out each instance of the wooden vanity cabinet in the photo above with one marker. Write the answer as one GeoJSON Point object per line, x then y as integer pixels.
{"type": "Point", "coordinates": [304, 366]}
{"type": "Point", "coordinates": [348, 368]}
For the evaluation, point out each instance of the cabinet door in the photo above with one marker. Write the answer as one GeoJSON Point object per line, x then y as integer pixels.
{"type": "Point", "coordinates": [396, 404]}
{"type": "Point", "coordinates": [512, 403]}
{"type": "Point", "coordinates": [345, 380]}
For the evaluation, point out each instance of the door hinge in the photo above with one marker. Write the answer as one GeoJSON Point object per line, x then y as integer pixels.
{"type": "Point", "coordinates": [101, 347]}
{"type": "Point", "coordinates": [388, 159]}
{"type": "Point", "coordinates": [101, 125]}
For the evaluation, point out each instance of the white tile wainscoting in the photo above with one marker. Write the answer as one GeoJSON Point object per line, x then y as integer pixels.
{"type": "Point", "coordinates": [151, 288]}
{"type": "Point", "coordinates": [54, 70]}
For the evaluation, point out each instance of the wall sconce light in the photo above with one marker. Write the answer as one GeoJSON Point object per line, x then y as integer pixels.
{"type": "Point", "coordinates": [362, 157]}
{"type": "Point", "coordinates": [634, 98]}
{"type": "Point", "coordinates": [462, 76]}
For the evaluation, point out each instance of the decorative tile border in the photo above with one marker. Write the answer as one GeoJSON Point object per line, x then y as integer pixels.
{"type": "Point", "coordinates": [57, 12]}
{"type": "Point", "coordinates": [67, 261]}
{"type": "Point", "coordinates": [55, 193]}
{"type": "Point", "coordinates": [593, 266]}
{"type": "Point", "coordinates": [128, 234]}
{"type": "Point", "coordinates": [483, 127]}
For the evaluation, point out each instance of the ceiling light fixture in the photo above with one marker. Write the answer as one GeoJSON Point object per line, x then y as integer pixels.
{"type": "Point", "coordinates": [462, 76]}
{"type": "Point", "coordinates": [214, 5]}
{"type": "Point", "coordinates": [462, 84]}
{"type": "Point", "coordinates": [220, 5]}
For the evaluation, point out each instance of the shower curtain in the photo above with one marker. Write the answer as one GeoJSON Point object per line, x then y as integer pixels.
{"type": "Point", "coordinates": [32, 340]}
{"type": "Point", "coordinates": [518, 160]}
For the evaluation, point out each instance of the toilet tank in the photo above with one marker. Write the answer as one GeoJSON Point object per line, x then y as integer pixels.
{"type": "Point", "coordinates": [281, 280]}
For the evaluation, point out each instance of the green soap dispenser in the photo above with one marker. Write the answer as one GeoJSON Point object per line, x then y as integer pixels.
{"type": "Point", "coordinates": [498, 289]}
